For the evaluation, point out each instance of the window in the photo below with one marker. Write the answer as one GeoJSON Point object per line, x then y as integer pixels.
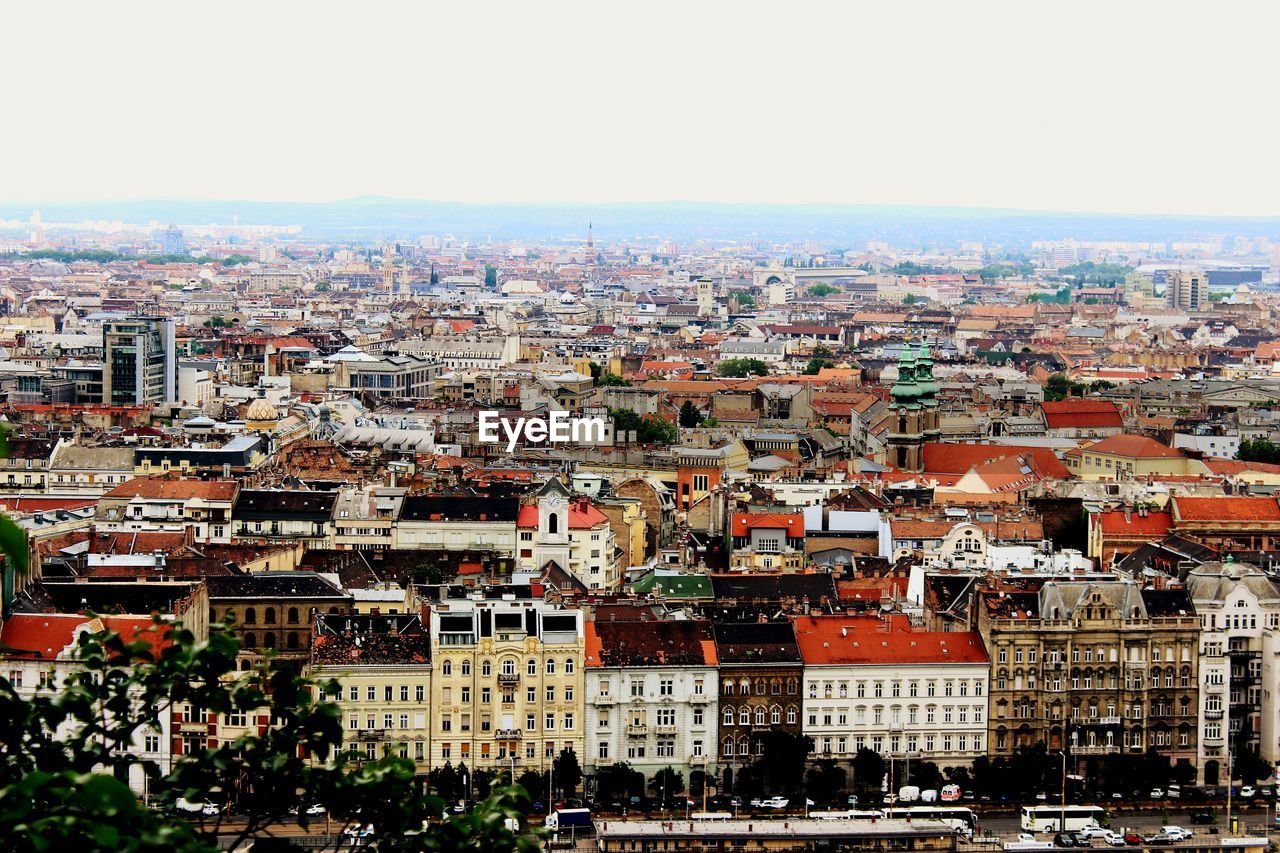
{"type": "Point", "coordinates": [486, 669]}
{"type": "Point", "coordinates": [551, 666]}
{"type": "Point", "coordinates": [532, 667]}
{"type": "Point", "coordinates": [466, 667]}
{"type": "Point", "coordinates": [666, 687]}
{"type": "Point", "coordinates": [293, 616]}
{"type": "Point", "coordinates": [568, 666]}
{"type": "Point", "coordinates": [446, 668]}
{"type": "Point", "coordinates": [251, 616]}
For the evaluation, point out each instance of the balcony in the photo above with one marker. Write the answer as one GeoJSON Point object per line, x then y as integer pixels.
{"type": "Point", "coordinates": [699, 698]}
{"type": "Point", "coordinates": [604, 762]}
{"type": "Point", "coordinates": [604, 699]}
{"type": "Point", "coordinates": [666, 730]}
{"type": "Point", "coordinates": [1096, 749]}
{"type": "Point", "coordinates": [1213, 715]}
{"type": "Point", "coordinates": [371, 734]}
{"type": "Point", "coordinates": [508, 678]}
{"type": "Point", "coordinates": [508, 734]}
{"type": "Point", "coordinates": [698, 761]}
{"type": "Point", "coordinates": [1102, 721]}
{"type": "Point", "coordinates": [639, 729]}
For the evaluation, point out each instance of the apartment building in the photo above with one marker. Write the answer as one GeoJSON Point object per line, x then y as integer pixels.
{"type": "Point", "coordinates": [877, 684]}
{"type": "Point", "coordinates": [1092, 667]}
{"type": "Point", "coordinates": [507, 679]}
{"type": "Point", "coordinates": [651, 696]}
{"type": "Point", "coordinates": [171, 503]}
{"type": "Point", "coordinates": [382, 668]}
{"type": "Point", "coordinates": [571, 533]}
{"type": "Point", "coordinates": [458, 523]}
{"type": "Point", "coordinates": [1239, 609]}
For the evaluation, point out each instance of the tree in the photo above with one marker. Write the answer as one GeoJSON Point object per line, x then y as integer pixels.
{"type": "Point", "coordinates": [429, 573]}
{"type": "Point", "coordinates": [446, 782]}
{"type": "Point", "coordinates": [649, 429]}
{"type": "Point", "coordinates": [1259, 450]}
{"type": "Point", "coordinates": [868, 770]}
{"type": "Point", "coordinates": [533, 782]}
{"type": "Point", "coordinates": [610, 380]}
{"type": "Point", "coordinates": [618, 782]}
{"type": "Point", "coordinates": [67, 752]}
{"type": "Point", "coordinates": [566, 773]}
{"type": "Point", "coordinates": [740, 368]}
{"type": "Point", "coordinates": [596, 370]}
{"type": "Point", "coordinates": [782, 764]}
{"type": "Point", "coordinates": [689, 415]}
{"type": "Point", "coordinates": [911, 299]}
{"type": "Point", "coordinates": [490, 277]}
{"type": "Point", "coordinates": [666, 784]}
{"type": "Point", "coordinates": [821, 351]}
{"type": "Point", "coordinates": [826, 781]}
{"type": "Point", "coordinates": [1060, 387]}
{"type": "Point", "coordinates": [746, 301]}
{"type": "Point", "coordinates": [816, 366]}
{"type": "Point", "coordinates": [822, 290]}
{"type": "Point", "coordinates": [324, 287]}
{"type": "Point", "coordinates": [925, 775]}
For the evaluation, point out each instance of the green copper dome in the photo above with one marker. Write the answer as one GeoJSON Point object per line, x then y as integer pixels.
{"type": "Point", "coordinates": [905, 390]}
{"type": "Point", "coordinates": [924, 373]}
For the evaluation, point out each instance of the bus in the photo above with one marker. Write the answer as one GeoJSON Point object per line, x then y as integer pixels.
{"type": "Point", "coordinates": [961, 818]}
{"type": "Point", "coordinates": [1051, 818]}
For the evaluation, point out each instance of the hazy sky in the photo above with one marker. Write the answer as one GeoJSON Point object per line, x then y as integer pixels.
{"type": "Point", "coordinates": [1109, 106]}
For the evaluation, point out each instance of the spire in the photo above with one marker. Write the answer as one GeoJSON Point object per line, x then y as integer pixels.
{"type": "Point", "coordinates": [591, 240]}
{"type": "Point", "coordinates": [905, 390]}
{"type": "Point", "coordinates": [924, 374]}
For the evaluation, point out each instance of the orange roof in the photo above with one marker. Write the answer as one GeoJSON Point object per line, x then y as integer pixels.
{"type": "Point", "coordinates": [1131, 446]}
{"type": "Point", "coordinates": [1152, 524]}
{"type": "Point", "coordinates": [745, 522]}
{"type": "Point", "coordinates": [1232, 467]}
{"type": "Point", "coordinates": [1081, 413]}
{"type": "Point", "coordinates": [170, 488]}
{"type": "Point", "coordinates": [960, 458]}
{"type": "Point", "coordinates": [50, 636]}
{"type": "Point", "coordinates": [1236, 508]}
{"type": "Point", "coordinates": [837, 640]}
{"type": "Point", "coordinates": [582, 515]}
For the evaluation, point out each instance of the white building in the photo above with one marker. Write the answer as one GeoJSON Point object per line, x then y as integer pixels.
{"type": "Point", "coordinates": [571, 533]}
{"type": "Point", "coordinates": [651, 693]}
{"type": "Point", "coordinates": [1239, 609]}
{"type": "Point", "coordinates": [880, 685]}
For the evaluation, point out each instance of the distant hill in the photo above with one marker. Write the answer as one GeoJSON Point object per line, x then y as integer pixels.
{"type": "Point", "coordinates": [366, 218]}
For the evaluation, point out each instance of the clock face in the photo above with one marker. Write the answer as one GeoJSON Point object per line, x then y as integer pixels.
{"type": "Point", "coordinates": [553, 500]}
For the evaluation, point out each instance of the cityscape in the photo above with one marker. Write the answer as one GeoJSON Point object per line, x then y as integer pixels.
{"type": "Point", "coordinates": [472, 472]}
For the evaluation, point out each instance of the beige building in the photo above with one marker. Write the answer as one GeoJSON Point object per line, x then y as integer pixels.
{"type": "Point", "coordinates": [507, 687]}
{"type": "Point", "coordinates": [1130, 457]}
{"type": "Point", "coordinates": [382, 668]}
{"type": "Point", "coordinates": [1100, 668]}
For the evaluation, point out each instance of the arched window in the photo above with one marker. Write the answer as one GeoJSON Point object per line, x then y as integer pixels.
{"type": "Point", "coordinates": [292, 640]}
{"type": "Point", "coordinates": [775, 715]}
{"type": "Point", "coordinates": [269, 640]}
{"type": "Point", "coordinates": [744, 717]}
{"type": "Point", "coordinates": [568, 665]}
{"type": "Point", "coordinates": [553, 522]}
{"type": "Point", "coordinates": [486, 668]}
{"type": "Point", "coordinates": [269, 616]}
{"type": "Point", "coordinates": [532, 668]}
{"type": "Point", "coordinates": [744, 746]}
{"type": "Point", "coordinates": [728, 688]}
{"type": "Point", "coordinates": [551, 666]}
{"type": "Point", "coordinates": [293, 616]}
{"type": "Point", "coordinates": [230, 615]}
{"type": "Point", "coordinates": [509, 666]}
{"type": "Point", "coordinates": [251, 616]}
{"type": "Point", "coordinates": [250, 640]}
{"type": "Point", "coordinates": [728, 716]}
{"type": "Point", "coordinates": [244, 665]}
{"type": "Point", "coordinates": [446, 668]}
{"type": "Point", "coordinates": [334, 609]}
{"type": "Point", "coordinates": [466, 667]}
{"type": "Point", "coordinates": [728, 745]}
{"type": "Point", "coordinates": [759, 716]}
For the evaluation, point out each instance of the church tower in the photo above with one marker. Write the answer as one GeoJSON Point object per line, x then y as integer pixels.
{"type": "Point", "coordinates": [928, 394]}
{"type": "Point", "coordinates": [552, 543]}
{"type": "Point", "coordinates": [591, 246]}
{"type": "Point", "coordinates": [388, 270]}
{"type": "Point", "coordinates": [706, 297]}
{"type": "Point", "coordinates": [906, 423]}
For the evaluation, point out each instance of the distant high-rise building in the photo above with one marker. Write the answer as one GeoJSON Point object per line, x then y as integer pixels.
{"type": "Point", "coordinates": [1186, 290]}
{"type": "Point", "coordinates": [172, 241]}
{"type": "Point", "coordinates": [139, 364]}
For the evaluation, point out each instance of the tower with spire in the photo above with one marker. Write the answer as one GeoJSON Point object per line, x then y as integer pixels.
{"type": "Point", "coordinates": [914, 409]}
{"type": "Point", "coordinates": [388, 271]}
{"type": "Point", "coordinates": [591, 244]}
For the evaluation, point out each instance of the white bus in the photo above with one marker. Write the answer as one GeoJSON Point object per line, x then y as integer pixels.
{"type": "Point", "coordinates": [1051, 818]}
{"type": "Point", "coordinates": [960, 818]}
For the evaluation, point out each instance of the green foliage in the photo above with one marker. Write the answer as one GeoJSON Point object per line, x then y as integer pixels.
{"type": "Point", "coordinates": [815, 366]}
{"type": "Point", "coordinates": [912, 299]}
{"type": "Point", "coordinates": [822, 289]}
{"type": "Point", "coordinates": [566, 773]}
{"type": "Point", "coordinates": [1061, 296]}
{"type": "Point", "coordinates": [67, 752]}
{"type": "Point", "coordinates": [666, 784]}
{"type": "Point", "coordinates": [746, 300]}
{"type": "Point", "coordinates": [1088, 272]}
{"type": "Point", "coordinates": [99, 256]}
{"type": "Point", "coordinates": [429, 573]}
{"type": "Point", "coordinates": [1006, 270]}
{"type": "Point", "coordinates": [1059, 387]}
{"type": "Point", "coordinates": [826, 780]}
{"type": "Point", "coordinates": [613, 380]}
{"type": "Point", "coordinates": [217, 323]}
{"type": "Point", "coordinates": [649, 429]}
{"type": "Point", "coordinates": [740, 368]}
{"type": "Point", "coordinates": [324, 287]}
{"type": "Point", "coordinates": [490, 276]}
{"type": "Point", "coordinates": [868, 770]}
{"type": "Point", "coordinates": [617, 782]}
{"type": "Point", "coordinates": [595, 369]}
{"type": "Point", "coordinates": [690, 417]}
{"type": "Point", "coordinates": [1259, 450]}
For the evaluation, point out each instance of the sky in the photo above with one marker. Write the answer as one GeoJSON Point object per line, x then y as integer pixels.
{"type": "Point", "coordinates": [1116, 107]}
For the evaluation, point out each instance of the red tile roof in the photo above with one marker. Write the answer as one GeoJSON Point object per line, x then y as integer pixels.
{"type": "Point", "coordinates": [1152, 524]}
{"type": "Point", "coordinates": [942, 458]}
{"type": "Point", "coordinates": [582, 515]}
{"type": "Point", "coordinates": [792, 522]}
{"type": "Point", "coordinates": [175, 489]}
{"type": "Point", "coordinates": [835, 640]}
{"type": "Point", "coordinates": [1131, 446]}
{"type": "Point", "coordinates": [1068, 414]}
{"type": "Point", "coordinates": [50, 636]}
{"type": "Point", "coordinates": [1236, 508]}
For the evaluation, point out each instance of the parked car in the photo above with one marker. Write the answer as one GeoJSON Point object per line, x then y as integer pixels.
{"type": "Point", "coordinates": [1177, 833]}
{"type": "Point", "coordinates": [1174, 792]}
{"type": "Point", "coordinates": [1248, 792]}
{"type": "Point", "coordinates": [1160, 838]}
{"type": "Point", "coordinates": [1026, 838]}
{"type": "Point", "coordinates": [1092, 832]}
{"type": "Point", "coordinates": [1114, 839]}
{"type": "Point", "coordinates": [1157, 793]}
{"type": "Point", "coordinates": [852, 801]}
{"type": "Point", "coordinates": [1202, 817]}
{"type": "Point", "coordinates": [735, 801]}
{"type": "Point", "coordinates": [1068, 839]}
{"type": "Point", "coordinates": [1133, 838]}
{"type": "Point", "coordinates": [775, 803]}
